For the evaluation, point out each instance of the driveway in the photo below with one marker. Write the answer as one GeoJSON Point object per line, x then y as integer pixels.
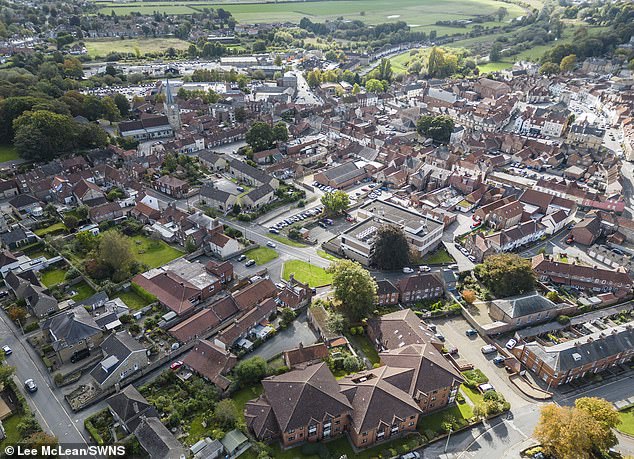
{"type": "Point", "coordinates": [297, 332]}
{"type": "Point", "coordinates": [469, 348]}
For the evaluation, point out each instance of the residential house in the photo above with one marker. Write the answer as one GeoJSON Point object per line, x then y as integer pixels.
{"type": "Point", "coordinates": [8, 188]}
{"type": "Point", "coordinates": [294, 295]}
{"type": "Point", "coordinates": [123, 356]}
{"type": "Point", "coordinates": [588, 230]}
{"type": "Point", "coordinates": [157, 441]}
{"type": "Point", "coordinates": [218, 199]}
{"type": "Point", "coordinates": [247, 297]}
{"type": "Point", "coordinates": [128, 407]}
{"type": "Point", "coordinates": [387, 293]}
{"type": "Point", "coordinates": [212, 161]}
{"type": "Point", "coordinates": [72, 331]}
{"type": "Point", "coordinates": [303, 356]}
{"type": "Point", "coordinates": [203, 322]}
{"type": "Point", "coordinates": [17, 237]}
{"type": "Point", "coordinates": [222, 246]}
{"type": "Point", "coordinates": [520, 311]}
{"type": "Point", "coordinates": [251, 175]}
{"type": "Point", "coordinates": [222, 270]}
{"type": "Point", "coordinates": [422, 286]}
{"type": "Point", "coordinates": [399, 329]}
{"type": "Point", "coordinates": [85, 191]}
{"type": "Point", "coordinates": [171, 186]}
{"type": "Point", "coordinates": [253, 323]}
{"type": "Point", "coordinates": [258, 197]}
{"type": "Point", "coordinates": [211, 362]}
{"type": "Point", "coordinates": [25, 204]}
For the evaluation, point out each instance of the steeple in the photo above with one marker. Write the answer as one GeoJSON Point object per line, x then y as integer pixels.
{"type": "Point", "coordinates": [169, 98]}
{"type": "Point", "coordinates": [171, 108]}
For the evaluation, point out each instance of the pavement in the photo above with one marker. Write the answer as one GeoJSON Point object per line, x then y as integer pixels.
{"type": "Point", "coordinates": [48, 404]}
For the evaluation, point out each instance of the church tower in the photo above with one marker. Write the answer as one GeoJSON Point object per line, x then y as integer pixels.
{"type": "Point", "coordinates": [171, 109]}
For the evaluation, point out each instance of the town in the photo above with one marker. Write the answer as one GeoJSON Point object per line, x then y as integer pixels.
{"type": "Point", "coordinates": [249, 231]}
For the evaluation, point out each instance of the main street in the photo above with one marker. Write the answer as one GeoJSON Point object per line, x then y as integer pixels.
{"type": "Point", "coordinates": [47, 403]}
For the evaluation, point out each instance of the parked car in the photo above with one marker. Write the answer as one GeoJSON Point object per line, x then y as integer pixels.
{"type": "Point", "coordinates": [79, 355]}
{"type": "Point", "coordinates": [274, 231]}
{"type": "Point", "coordinates": [4, 293]}
{"type": "Point", "coordinates": [7, 350]}
{"type": "Point", "coordinates": [411, 455]}
{"type": "Point", "coordinates": [452, 266]}
{"type": "Point", "coordinates": [408, 270]}
{"type": "Point", "coordinates": [280, 285]}
{"type": "Point", "coordinates": [176, 365]}
{"type": "Point", "coordinates": [488, 349]}
{"type": "Point", "coordinates": [249, 263]}
{"type": "Point", "coordinates": [271, 244]}
{"type": "Point", "coordinates": [240, 189]}
{"type": "Point", "coordinates": [471, 332]}
{"type": "Point", "coordinates": [30, 385]}
{"type": "Point", "coordinates": [471, 258]}
{"type": "Point", "coordinates": [242, 257]}
{"type": "Point", "coordinates": [424, 269]}
{"type": "Point", "coordinates": [499, 360]}
{"type": "Point", "coordinates": [510, 344]}
{"type": "Point", "coordinates": [453, 350]}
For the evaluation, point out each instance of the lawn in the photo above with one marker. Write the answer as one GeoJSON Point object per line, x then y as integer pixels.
{"type": "Point", "coordinates": [262, 255]}
{"type": "Point", "coordinates": [52, 277]}
{"type": "Point", "coordinates": [286, 241]}
{"type": "Point", "coordinates": [627, 420]}
{"type": "Point", "coordinates": [327, 256]}
{"type": "Point", "coordinates": [143, 45]}
{"type": "Point", "coordinates": [306, 273]}
{"type": "Point", "coordinates": [11, 429]}
{"type": "Point", "coordinates": [153, 253]}
{"type": "Point", "coordinates": [363, 343]}
{"type": "Point", "coordinates": [134, 301]}
{"type": "Point", "coordinates": [474, 394]}
{"type": "Point", "coordinates": [421, 15]}
{"type": "Point", "coordinates": [438, 257]}
{"type": "Point", "coordinates": [8, 153]}
{"type": "Point", "coordinates": [460, 411]}
{"type": "Point", "coordinates": [241, 397]}
{"type": "Point", "coordinates": [56, 228]}
{"type": "Point", "coordinates": [83, 291]}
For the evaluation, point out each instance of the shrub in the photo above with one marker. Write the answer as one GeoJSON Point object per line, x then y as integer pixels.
{"type": "Point", "coordinates": [58, 378]}
{"type": "Point", "coordinates": [93, 432]}
{"type": "Point", "coordinates": [31, 327]}
{"type": "Point", "coordinates": [563, 319]}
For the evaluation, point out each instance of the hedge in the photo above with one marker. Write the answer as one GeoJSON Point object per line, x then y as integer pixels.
{"type": "Point", "coordinates": [93, 432]}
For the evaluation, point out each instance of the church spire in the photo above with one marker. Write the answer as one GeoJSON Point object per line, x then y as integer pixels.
{"type": "Point", "coordinates": [169, 98]}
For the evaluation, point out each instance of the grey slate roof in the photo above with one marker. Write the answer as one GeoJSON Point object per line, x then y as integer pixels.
{"type": "Point", "coordinates": [130, 405]}
{"type": "Point", "coordinates": [157, 440]}
{"type": "Point", "coordinates": [119, 345]}
{"type": "Point", "coordinates": [524, 305]}
{"type": "Point", "coordinates": [213, 193]}
{"type": "Point", "coordinates": [72, 326]}
{"type": "Point", "coordinates": [259, 192]}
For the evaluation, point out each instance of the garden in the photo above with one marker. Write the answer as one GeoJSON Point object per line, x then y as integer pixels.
{"type": "Point", "coordinates": [627, 420]}
{"type": "Point", "coordinates": [262, 255]}
{"type": "Point", "coordinates": [306, 273]}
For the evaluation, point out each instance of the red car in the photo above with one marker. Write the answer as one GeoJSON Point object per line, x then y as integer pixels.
{"type": "Point", "coordinates": [176, 365]}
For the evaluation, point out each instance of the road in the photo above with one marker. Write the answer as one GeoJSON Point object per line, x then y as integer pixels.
{"type": "Point", "coordinates": [627, 181]}
{"type": "Point", "coordinates": [47, 403]}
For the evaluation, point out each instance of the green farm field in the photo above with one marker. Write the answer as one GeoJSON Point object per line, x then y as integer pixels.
{"type": "Point", "coordinates": [144, 45]}
{"type": "Point", "coordinates": [421, 14]}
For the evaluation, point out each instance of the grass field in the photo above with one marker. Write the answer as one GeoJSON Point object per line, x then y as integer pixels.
{"type": "Point", "coordinates": [53, 229]}
{"type": "Point", "coordinates": [262, 255]}
{"type": "Point", "coordinates": [363, 343]}
{"type": "Point", "coordinates": [7, 153]}
{"type": "Point", "coordinates": [438, 257]}
{"type": "Point", "coordinates": [144, 45]}
{"type": "Point", "coordinates": [82, 291]}
{"type": "Point", "coordinates": [306, 273]}
{"type": "Point", "coordinates": [285, 240]}
{"type": "Point", "coordinates": [52, 277]}
{"type": "Point", "coordinates": [11, 429]}
{"type": "Point", "coordinates": [419, 14]}
{"type": "Point", "coordinates": [327, 256]}
{"type": "Point", "coordinates": [153, 253]}
{"type": "Point", "coordinates": [132, 300]}
{"type": "Point", "coordinates": [627, 420]}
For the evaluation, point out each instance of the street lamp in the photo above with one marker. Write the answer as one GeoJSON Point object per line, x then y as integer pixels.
{"type": "Point", "coordinates": [448, 437]}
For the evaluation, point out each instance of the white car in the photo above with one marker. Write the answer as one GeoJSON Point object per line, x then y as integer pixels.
{"type": "Point", "coordinates": [7, 350]}
{"type": "Point", "coordinates": [488, 349]}
{"type": "Point", "coordinates": [271, 244]}
{"type": "Point", "coordinates": [408, 270]}
{"type": "Point", "coordinates": [510, 344]}
{"type": "Point", "coordinates": [424, 269]}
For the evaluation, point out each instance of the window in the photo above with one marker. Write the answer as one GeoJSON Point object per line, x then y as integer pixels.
{"type": "Point", "coordinates": [365, 434]}
{"type": "Point", "coordinates": [411, 423]}
{"type": "Point", "coordinates": [291, 438]}
{"type": "Point", "coordinates": [291, 431]}
{"type": "Point", "coordinates": [365, 440]}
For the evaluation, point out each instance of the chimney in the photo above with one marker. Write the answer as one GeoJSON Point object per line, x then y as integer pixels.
{"type": "Point", "coordinates": [135, 407]}
{"type": "Point", "coordinates": [301, 345]}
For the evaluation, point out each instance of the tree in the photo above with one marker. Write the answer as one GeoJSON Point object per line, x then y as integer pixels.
{"type": "Point", "coordinates": [506, 274]}
{"type": "Point", "coordinates": [567, 64]}
{"type": "Point", "coordinates": [354, 289]}
{"type": "Point", "coordinates": [374, 85]}
{"type": "Point", "coordinates": [391, 249]}
{"type": "Point", "coordinates": [71, 222]}
{"type": "Point", "coordinates": [82, 212]}
{"type": "Point", "coordinates": [115, 253]}
{"type": "Point", "coordinates": [496, 52]}
{"type": "Point", "coordinates": [356, 89]}
{"type": "Point", "coordinates": [438, 128]}
{"type": "Point", "coordinates": [122, 104]}
{"type": "Point", "coordinates": [280, 132]}
{"type": "Point", "coordinates": [190, 245]}
{"type": "Point", "coordinates": [384, 70]}
{"type": "Point", "coordinates": [278, 60]}
{"type": "Point", "coordinates": [469, 296]}
{"type": "Point", "coordinates": [336, 323]}
{"type": "Point", "coordinates": [42, 135]}
{"type": "Point", "coordinates": [251, 371]}
{"type": "Point", "coordinates": [260, 136]}
{"type": "Point", "coordinates": [502, 13]}
{"type": "Point", "coordinates": [38, 439]}
{"type": "Point", "coordinates": [16, 313]}
{"type": "Point", "coordinates": [576, 432]}
{"type": "Point", "coordinates": [28, 426]}
{"type": "Point", "coordinates": [549, 68]}
{"type": "Point", "coordinates": [335, 202]}
{"type": "Point", "coordinates": [6, 373]}
{"type": "Point", "coordinates": [226, 413]}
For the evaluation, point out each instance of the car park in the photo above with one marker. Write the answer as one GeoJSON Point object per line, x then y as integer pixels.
{"type": "Point", "coordinates": [30, 385]}
{"type": "Point", "coordinates": [7, 350]}
{"type": "Point", "coordinates": [408, 270]}
{"type": "Point", "coordinates": [249, 263]}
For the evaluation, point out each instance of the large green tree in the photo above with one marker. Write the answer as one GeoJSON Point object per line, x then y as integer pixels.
{"type": "Point", "coordinates": [115, 253]}
{"type": "Point", "coordinates": [506, 274]}
{"type": "Point", "coordinates": [354, 289]}
{"type": "Point", "coordinates": [391, 249]}
{"type": "Point", "coordinates": [251, 371]}
{"type": "Point", "coordinates": [438, 127]}
{"type": "Point", "coordinates": [335, 202]}
{"type": "Point", "coordinates": [260, 136]}
{"type": "Point", "coordinates": [42, 134]}
{"type": "Point", "coordinates": [577, 432]}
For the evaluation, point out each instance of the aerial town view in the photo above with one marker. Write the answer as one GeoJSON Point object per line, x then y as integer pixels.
{"type": "Point", "coordinates": [322, 229]}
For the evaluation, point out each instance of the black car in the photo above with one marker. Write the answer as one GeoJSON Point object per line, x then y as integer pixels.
{"type": "Point", "coordinates": [30, 385]}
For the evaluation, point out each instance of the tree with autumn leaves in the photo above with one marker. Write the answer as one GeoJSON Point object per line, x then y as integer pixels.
{"type": "Point", "coordinates": [577, 432]}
